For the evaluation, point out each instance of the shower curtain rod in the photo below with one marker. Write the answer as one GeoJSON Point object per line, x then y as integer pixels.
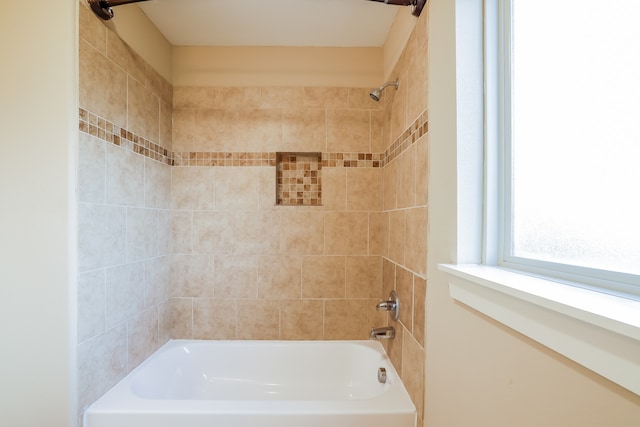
{"type": "Point", "coordinates": [102, 8]}
{"type": "Point", "coordinates": [417, 5]}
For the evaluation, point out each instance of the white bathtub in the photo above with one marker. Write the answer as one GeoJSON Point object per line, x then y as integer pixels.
{"type": "Point", "coordinates": [258, 384]}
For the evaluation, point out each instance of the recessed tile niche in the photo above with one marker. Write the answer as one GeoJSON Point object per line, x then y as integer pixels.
{"type": "Point", "coordinates": [299, 179]}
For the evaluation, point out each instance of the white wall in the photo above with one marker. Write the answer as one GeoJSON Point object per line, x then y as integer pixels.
{"type": "Point", "coordinates": [38, 119]}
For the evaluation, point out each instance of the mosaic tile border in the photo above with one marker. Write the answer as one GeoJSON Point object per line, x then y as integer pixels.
{"type": "Point", "coordinates": [103, 129]}
{"type": "Point", "coordinates": [107, 131]}
{"type": "Point", "coordinates": [200, 158]}
{"type": "Point", "coordinates": [414, 132]}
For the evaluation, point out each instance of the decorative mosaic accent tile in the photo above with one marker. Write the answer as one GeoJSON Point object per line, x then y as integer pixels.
{"type": "Point", "coordinates": [299, 179]}
{"type": "Point", "coordinates": [352, 160]}
{"type": "Point", "coordinates": [105, 130]}
{"type": "Point", "coordinates": [224, 159]}
{"type": "Point", "coordinates": [418, 128]}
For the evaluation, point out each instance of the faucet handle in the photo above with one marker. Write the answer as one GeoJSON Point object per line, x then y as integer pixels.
{"type": "Point", "coordinates": [392, 305]}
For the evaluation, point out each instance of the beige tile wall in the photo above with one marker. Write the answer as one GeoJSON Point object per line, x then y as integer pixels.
{"type": "Point", "coordinates": [403, 221]}
{"type": "Point", "coordinates": [290, 269]}
{"type": "Point", "coordinates": [124, 183]}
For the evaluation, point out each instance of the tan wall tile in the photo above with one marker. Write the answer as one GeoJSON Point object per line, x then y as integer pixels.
{"type": "Point", "coordinates": [181, 318]}
{"type": "Point", "coordinates": [258, 130]}
{"type": "Point", "coordinates": [364, 189]}
{"type": "Point", "coordinates": [142, 339]}
{"type": "Point", "coordinates": [164, 321]}
{"type": "Point", "coordinates": [413, 371]}
{"type": "Point", "coordinates": [194, 97]}
{"type": "Point", "coordinates": [103, 86]}
{"type": "Point", "coordinates": [364, 276]}
{"type": "Point", "coordinates": [214, 319]}
{"type": "Point", "coordinates": [216, 130]}
{"type": "Point", "coordinates": [320, 97]}
{"type": "Point", "coordinates": [143, 113]}
{"type": "Point", "coordinates": [416, 239]}
{"type": "Point", "coordinates": [158, 85]}
{"type": "Point", "coordinates": [183, 130]}
{"type": "Point", "coordinates": [388, 278]}
{"type": "Point", "coordinates": [379, 140]}
{"type": "Point", "coordinates": [323, 277]}
{"type": "Point", "coordinates": [92, 30]}
{"type": "Point", "coordinates": [102, 362]}
{"type": "Point", "coordinates": [346, 319]}
{"type": "Point", "coordinates": [379, 233]}
{"type": "Point", "coordinates": [91, 169]}
{"type": "Point", "coordinates": [302, 320]}
{"type": "Point", "coordinates": [418, 85]}
{"type": "Point", "coordinates": [404, 288]}
{"type": "Point", "coordinates": [386, 127]}
{"type": "Point", "coordinates": [346, 233]}
{"type": "Point", "coordinates": [238, 97]}
{"type": "Point", "coordinates": [213, 232]}
{"type": "Point", "coordinates": [422, 171]}
{"type": "Point", "coordinates": [406, 180]}
{"type": "Point", "coordinates": [266, 188]}
{"type": "Point", "coordinates": [166, 126]}
{"type": "Point", "coordinates": [349, 131]}
{"type": "Point", "coordinates": [397, 236]}
{"type": "Point", "coordinates": [124, 177]}
{"type": "Point", "coordinates": [280, 277]}
{"type": "Point", "coordinates": [334, 189]}
{"type": "Point", "coordinates": [236, 189]}
{"type": "Point", "coordinates": [390, 186]}
{"type": "Point", "coordinates": [399, 110]}
{"type": "Point", "coordinates": [257, 233]}
{"type": "Point", "coordinates": [257, 320]}
{"type": "Point", "coordinates": [394, 347]}
{"type": "Point", "coordinates": [192, 276]}
{"type": "Point", "coordinates": [192, 188]}
{"type": "Point", "coordinates": [236, 277]}
{"type": "Point", "coordinates": [302, 232]}
{"type": "Point", "coordinates": [281, 97]}
{"type": "Point", "coordinates": [304, 129]}
{"type": "Point", "coordinates": [419, 308]}
{"type": "Point", "coordinates": [125, 57]}
{"type": "Point", "coordinates": [91, 304]}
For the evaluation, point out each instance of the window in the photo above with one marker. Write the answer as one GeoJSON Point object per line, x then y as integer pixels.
{"type": "Point", "coordinates": [571, 110]}
{"type": "Point", "coordinates": [559, 177]}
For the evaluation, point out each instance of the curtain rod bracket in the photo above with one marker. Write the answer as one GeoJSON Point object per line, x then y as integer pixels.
{"type": "Point", "coordinates": [102, 8]}
{"type": "Point", "coordinates": [416, 5]}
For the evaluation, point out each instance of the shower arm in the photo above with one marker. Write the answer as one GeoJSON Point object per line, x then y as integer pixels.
{"type": "Point", "coordinates": [418, 5]}
{"type": "Point", "coordinates": [102, 8]}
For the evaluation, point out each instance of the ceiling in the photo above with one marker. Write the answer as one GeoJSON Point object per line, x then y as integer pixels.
{"type": "Point", "coordinates": [326, 23]}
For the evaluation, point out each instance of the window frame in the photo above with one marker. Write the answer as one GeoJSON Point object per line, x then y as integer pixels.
{"type": "Point", "coordinates": [618, 283]}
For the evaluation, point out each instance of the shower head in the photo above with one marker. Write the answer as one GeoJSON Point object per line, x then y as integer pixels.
{"type": "Point", "coordinates": [376, 93]}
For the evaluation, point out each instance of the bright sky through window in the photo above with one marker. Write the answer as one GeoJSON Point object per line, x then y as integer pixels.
{"type": "Point", "coordinates": [576, 132]}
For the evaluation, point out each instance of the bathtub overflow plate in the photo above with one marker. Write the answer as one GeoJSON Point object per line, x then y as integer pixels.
{"type": "Point", "coordinates": [382, 375]}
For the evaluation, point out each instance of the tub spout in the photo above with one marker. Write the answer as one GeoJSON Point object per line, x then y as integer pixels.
{"type": "Point", "coordinates": [384, 333]}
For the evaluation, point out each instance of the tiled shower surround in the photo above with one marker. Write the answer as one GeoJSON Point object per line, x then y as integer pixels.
{"type": "Point", "coordinates": [180, 233]}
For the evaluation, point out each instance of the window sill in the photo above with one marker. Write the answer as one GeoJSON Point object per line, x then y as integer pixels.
{"type": "Point", "coordinates": [596, 330]}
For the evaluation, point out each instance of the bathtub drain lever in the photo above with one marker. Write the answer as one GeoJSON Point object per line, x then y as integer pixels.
{"type": "Point", "coordinates": [382, 375]}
